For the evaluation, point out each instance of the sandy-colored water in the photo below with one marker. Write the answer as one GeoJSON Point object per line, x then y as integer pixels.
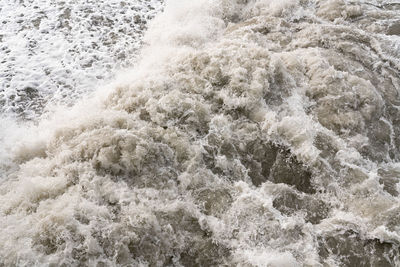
{"type": "Point", "coordinates": [251, 133]}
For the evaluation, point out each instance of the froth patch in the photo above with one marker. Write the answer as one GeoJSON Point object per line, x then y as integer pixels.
{"type": "Point", "coordinates": [247, 137]}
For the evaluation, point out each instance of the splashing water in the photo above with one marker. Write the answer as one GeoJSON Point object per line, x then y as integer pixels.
{"type": "Point", "coordinates": [251, 133]}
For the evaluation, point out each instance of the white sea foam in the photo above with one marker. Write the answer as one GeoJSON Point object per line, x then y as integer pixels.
{"type": "Point", "coordinates": [251, 133]}
{"type": "Point", "coordinates": [53, 52]}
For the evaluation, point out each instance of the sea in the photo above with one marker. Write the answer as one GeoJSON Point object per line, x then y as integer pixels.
{"type": "Point", "coordinates": [200, 133]}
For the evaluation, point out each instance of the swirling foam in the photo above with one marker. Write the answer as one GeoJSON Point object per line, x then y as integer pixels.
{"type": "Point", "coordinates": [252, 133]}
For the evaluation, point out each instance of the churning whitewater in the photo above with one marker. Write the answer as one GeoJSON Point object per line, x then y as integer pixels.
{"type": "Point", "coordinates": [250, 133]}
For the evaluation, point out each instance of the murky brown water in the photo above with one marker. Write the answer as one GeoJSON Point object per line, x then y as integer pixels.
{"type": "Point", "coordinates": [252, 133]}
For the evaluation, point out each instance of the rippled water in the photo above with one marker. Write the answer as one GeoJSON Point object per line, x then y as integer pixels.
{"type": "Point", "coordinates": [53, 52]}
{"type": "Point", "coordinates": [249, 133]}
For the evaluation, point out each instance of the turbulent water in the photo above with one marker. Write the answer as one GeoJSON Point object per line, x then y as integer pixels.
{"type": "Point", "coordinates": [250, 133]}
{"type": "Point", "coordinates": [53, 52]}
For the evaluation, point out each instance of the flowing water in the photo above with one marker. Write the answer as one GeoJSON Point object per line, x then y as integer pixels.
{"type": "Point", "coordinates": [249, 133]}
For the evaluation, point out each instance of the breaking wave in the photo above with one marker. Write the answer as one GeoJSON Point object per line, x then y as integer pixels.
{"type": "Point", "coordinates": [251, 133]}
